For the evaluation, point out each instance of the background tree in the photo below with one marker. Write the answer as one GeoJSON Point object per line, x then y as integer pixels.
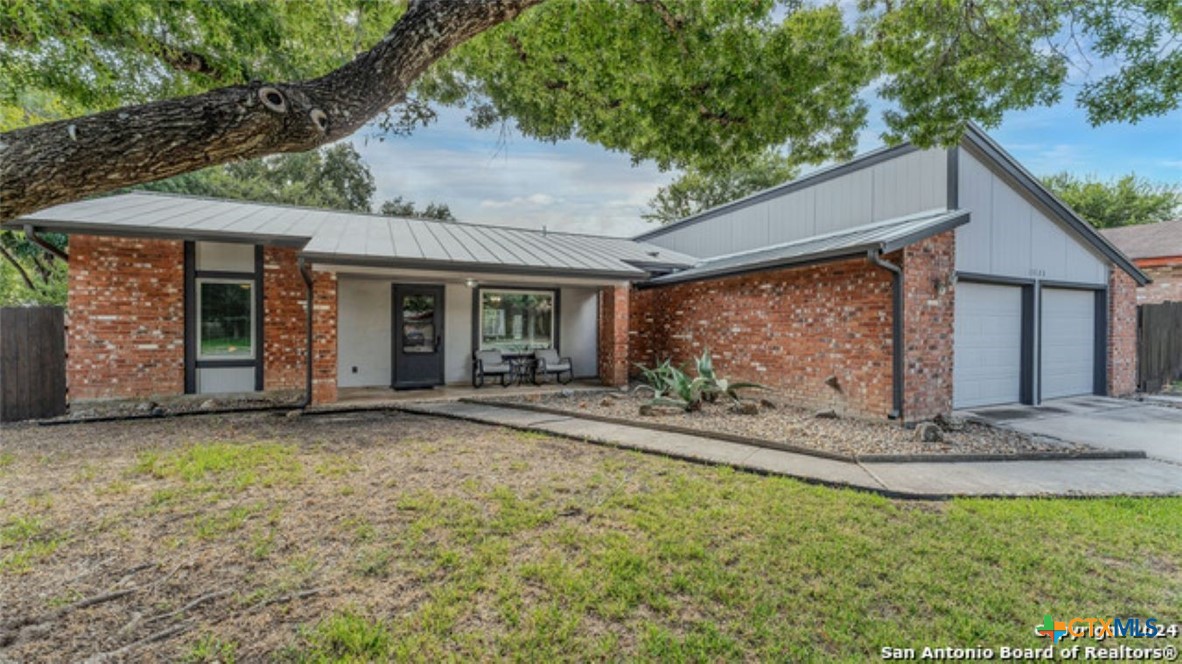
{"type": "Point", "coordinates": [333, 177]}
{"type": "Point", "coordinates": [697, 190]}
{"type": "Point", "coordinates": [401, 207]}
{"type": "Point", "coordinates": [1123, 201]}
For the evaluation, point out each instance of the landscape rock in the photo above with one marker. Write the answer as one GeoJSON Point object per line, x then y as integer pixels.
{"type": "Point", "coordinates": [607, 403]}
{"type": "Point", "coordinates": [746, 408]}
{"type": "Point", "coordinates": [929, 432]}
{"type": "Point", "coordinates": [949, 423]}
{"type": "Point", "coordinates": [566, 393]}
{"type": "Point", "coordinates": [292, 414]}
{"type": "Point", "coordinates": [208, 404]}
{"type": "Point", "coordinates": [146, 407]}
{"type": "Point", "coordinates": [767, 404]}
{"type": "Point", "coordinates": [826, 415]}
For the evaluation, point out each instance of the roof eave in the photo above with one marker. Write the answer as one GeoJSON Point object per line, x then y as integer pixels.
{"type": "Point", "coordinates": [181, 234]}
{"type": "Point", "coordinates": [474, 268]}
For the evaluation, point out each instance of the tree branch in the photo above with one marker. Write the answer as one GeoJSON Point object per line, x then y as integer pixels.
{"type": "Point", "coordinates": [66, 160]}
{"type": "Point", "coordinates": [19, 268]}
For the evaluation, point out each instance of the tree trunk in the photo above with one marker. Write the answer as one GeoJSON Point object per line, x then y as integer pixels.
{"type": "Point", "coordinates": [66, 160]}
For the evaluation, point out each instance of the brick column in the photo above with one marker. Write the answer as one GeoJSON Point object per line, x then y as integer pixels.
{"type": "Point", "coordinates": [928, 309]}
{"type": "Point", "coordinates": [1122, 333]}
{"type": "Point", "coordinates": [613, 335]}
{"type": "Point", "coordinates": [324, 338]}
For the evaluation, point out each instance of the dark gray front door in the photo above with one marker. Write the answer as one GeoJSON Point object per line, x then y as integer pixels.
{"type": "Point", "coordinates": [418, 336]}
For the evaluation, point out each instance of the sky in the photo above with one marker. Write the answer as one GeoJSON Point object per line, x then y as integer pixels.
{"type": "Point", "coordinates": [500, 177]}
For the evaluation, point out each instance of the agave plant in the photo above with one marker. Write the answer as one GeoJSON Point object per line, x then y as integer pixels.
{"type": "Point", "coordinates": [672, 386]}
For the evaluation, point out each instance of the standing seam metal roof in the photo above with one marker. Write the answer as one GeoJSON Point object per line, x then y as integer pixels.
{"type": "Point", "coordinates": [883, 236]}
{"type": "Point", "coordinates": [356, 238]}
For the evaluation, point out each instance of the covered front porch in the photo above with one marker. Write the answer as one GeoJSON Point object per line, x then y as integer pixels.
{"type": "Point", "coordinates": [349, 397]}
{"type": "Point", "coordinates": [411, 334]}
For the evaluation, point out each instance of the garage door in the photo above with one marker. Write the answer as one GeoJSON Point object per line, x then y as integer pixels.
{"type": "Point", "coordinates": [1068, 342]}
{"type": "Point", "coordinates": [987, 357]}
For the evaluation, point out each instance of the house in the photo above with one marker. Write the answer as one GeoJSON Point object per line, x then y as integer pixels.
{"type": "Point", "coordinates": [1157, 250]}
{"type": "Point", "coordinates": [902, 284]}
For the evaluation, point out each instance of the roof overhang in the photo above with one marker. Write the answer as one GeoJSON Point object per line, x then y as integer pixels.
{"type": "Point", "coordinates": [467, 268]}
{"type": "Point", "coordinates": [908, 231]}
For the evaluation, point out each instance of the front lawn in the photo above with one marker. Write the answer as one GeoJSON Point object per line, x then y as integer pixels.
{"type": "Point", "coordinates": [379, 535]}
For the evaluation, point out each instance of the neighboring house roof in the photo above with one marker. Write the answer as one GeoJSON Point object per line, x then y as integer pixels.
{"type": "Point", "coordinates": [353, 238]}
{"type": "Point", "coordinates": [975, 138]}
{"type": "Point", "coordinates": [882, 236]}
{"type": "Point", "coordinates": [1159, 240]}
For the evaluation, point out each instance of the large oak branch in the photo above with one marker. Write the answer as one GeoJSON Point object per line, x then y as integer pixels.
{"type": "Point", "coordinates": [67, 160]}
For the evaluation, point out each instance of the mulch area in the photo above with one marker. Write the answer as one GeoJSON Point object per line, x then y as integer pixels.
{"type": "Point", "coordinates": [777, 420]}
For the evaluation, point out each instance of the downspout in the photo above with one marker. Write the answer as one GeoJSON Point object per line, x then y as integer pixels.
{"type": "Point", "coordinates": [306, 273]}
{"type": "Point", "coordinates": [31, 233]}
{"type": "Point", "coordinates": [897, 359]}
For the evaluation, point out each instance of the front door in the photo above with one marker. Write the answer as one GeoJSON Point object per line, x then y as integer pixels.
{"type": "Point", "coordinates": [418, 336]}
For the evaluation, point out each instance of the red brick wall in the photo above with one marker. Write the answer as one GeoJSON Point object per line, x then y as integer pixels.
{"type": "Point", "coordinates": [127, 314]}
{"type": "Point", "coordinates": [324, 337]}
{"type": "Point", "coordinates": [284, 320]}
{"type": "Point", "coordinates": [790, 329]}
{"type": "Point", "coordinates": [613, 338]}
{"type": "Point", "coordinates": [1166, 286]}
{"type": "Point", "coordinates": [1122, 334]}
{"type": "Point", "coordinates": [928, 307]}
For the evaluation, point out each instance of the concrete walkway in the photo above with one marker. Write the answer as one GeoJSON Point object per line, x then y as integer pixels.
{"type": "Point", "coordinates": [908, 480]}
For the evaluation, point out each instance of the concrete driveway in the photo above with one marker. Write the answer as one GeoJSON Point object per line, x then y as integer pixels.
{"type": "Point", "coordinates": [1116, 424]}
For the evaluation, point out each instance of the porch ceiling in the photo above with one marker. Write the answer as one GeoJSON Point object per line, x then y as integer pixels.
{"type": "Point", "coordinates": [421, 276]}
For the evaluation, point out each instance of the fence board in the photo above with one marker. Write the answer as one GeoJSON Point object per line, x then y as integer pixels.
{"type": "Point", "coordinates": [1159, 345]}
{"type": "Point", "coordinates": [32, 363]}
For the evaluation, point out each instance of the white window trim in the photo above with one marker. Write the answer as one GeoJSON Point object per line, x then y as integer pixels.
{"type": "Point", "coordinates": [516, 291]}
{"type": "Point", "coordinates": [253, 319]}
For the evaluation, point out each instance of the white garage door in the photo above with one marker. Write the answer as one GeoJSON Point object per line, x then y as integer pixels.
{"type": "Point", "coordinates": [987, 357]}
{"type": "Point", "coordinates": [1068, 342]}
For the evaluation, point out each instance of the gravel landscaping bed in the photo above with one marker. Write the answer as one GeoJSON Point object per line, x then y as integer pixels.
{"type": "Point", "coordinates": [777, 421]}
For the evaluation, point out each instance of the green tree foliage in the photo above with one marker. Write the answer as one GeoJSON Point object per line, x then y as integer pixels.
{"type": "Point", "coordinates": [333, 177]}
{"type": "Point", "coordinates": [401, 207]}
{"type": "Point", "coordinates": [1123, 201]}
{"type": "Point", "coordinates": [92, 55]}
{"type": "Point", "coordinates": [681, 83]}
{"type": "Point", "coordinates": [697, 190]}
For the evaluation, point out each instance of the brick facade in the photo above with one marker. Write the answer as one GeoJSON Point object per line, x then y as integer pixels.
{"type": "Point", "coordinates": [324, 337]}
{"type": "Point", "coordinates": [284, 320]}
{"type": "Point", "coordinates": [1166, 285]}
{"type": "Point", "coordinates": [120, 348]}
{"type": "Point", "coordinates": [126, 307]}
{"type": "Point", "coordinates": [1122, 334]}
{"type": "Point", "coordinates": [613, 338]}
{"type": "Point", "coordinates": [792, 329]}
{"type": "Point", "coordinates": [928, 306]}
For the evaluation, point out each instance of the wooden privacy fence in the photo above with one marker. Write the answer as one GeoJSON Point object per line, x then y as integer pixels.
{"type": "Point", "coordinates": [32, 363]}
{"type": "Point", "coordinates": [1159, 345]}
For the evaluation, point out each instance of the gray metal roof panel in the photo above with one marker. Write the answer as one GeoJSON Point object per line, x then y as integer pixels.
{"type": "Point", "coordinates": [884, 236]}
{"type": "Point", "coordinates": [355, 236]}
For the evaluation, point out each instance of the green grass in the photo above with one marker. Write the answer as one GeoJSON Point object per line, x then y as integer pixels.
{"type": "Point", "coordinates": [25, 540]}
{"type": "Point", "coordinates": [224, 465]}
{"type": "Point", "coordinates": [712, 564]}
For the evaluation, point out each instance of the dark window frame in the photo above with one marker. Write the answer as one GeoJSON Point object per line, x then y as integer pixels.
{"type": "Point", "coordinates": [477, 298]}
{"type": "Point", "coordinates": [192, 274]}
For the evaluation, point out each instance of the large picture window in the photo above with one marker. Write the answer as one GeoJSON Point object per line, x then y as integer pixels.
{"type": "Point", "coordinates": [516, 321]}
{"type": "Point", "coordinates": [225, 319]}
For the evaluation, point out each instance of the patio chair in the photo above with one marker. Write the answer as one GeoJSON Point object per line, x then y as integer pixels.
{"type": "Point", "coordinates": [550, 363]}
{"type": "Point", "coordinates": [490, 363]}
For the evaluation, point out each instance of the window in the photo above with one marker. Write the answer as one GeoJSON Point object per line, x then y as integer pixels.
{"type": "Point", "coordinates": [225, 319]}
{"type": "Point", "coordinates": [515, 321]}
